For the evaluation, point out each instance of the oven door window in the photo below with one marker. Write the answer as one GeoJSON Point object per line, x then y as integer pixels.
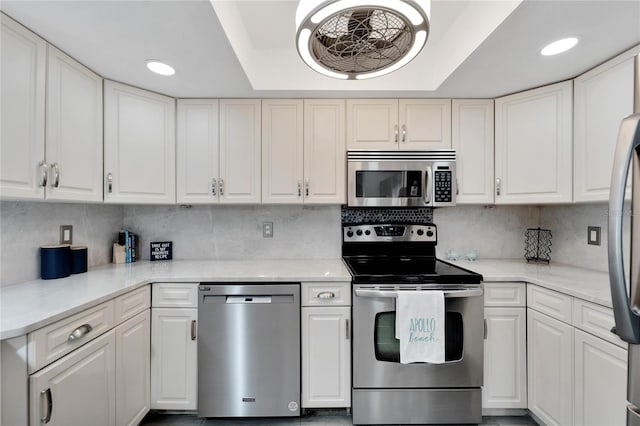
{"type": "Point", "coordinates": [387, 347]}
{"type": "Point", "coordinates": [389, 184]}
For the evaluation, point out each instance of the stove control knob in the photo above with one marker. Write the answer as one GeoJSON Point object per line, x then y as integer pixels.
{"type": "Point", "coordinates": [420, 232]}
{"type": "Point", "coordinates": [429, 233]}
{"type": "Point", "coordinates": [367, 232]}
{"type": "Point", "coordinates": [359, 232]}
{"type": "Point", "coordinates": [349, 234]}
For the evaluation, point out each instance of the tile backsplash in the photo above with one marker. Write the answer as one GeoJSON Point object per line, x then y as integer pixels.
{"type": "Point", "coordinates": [235, 232]}
{"type": "Point", "coordinates": [25, 226]}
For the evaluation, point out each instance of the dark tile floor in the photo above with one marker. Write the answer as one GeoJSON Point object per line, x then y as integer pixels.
{"type": "Point", "coordinates": [311, 418]}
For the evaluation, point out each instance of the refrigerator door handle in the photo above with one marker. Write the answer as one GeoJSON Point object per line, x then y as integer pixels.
{"type": "Point", "coordinates": [627, 321]}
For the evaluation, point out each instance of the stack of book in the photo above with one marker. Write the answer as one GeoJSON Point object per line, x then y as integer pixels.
{"type": "Point", "coordinates": [126, 249]}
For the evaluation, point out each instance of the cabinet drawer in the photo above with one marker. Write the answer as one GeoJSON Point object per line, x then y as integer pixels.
{"type": "Point", "coordinates": [49, 343]}
{"type": "Point", "coordinates": [319, 294]}
{"type": "Point", "coordinates": [552, 303]}
{"type": "Point", "coordinates": [174, 295]}
{"type": "Point", "coordinates": [505, 294]}
{"type": "Point", "coordinates": [597, 320]}
{"type": "Point", "coordinates": [130, 304]}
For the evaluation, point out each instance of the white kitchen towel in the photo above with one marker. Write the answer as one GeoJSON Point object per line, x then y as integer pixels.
{"type": "Point", "coordinates": [420, 326]}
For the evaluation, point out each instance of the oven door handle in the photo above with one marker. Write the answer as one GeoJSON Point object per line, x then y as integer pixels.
{"type": "Point", "coordinates": [472, 292]}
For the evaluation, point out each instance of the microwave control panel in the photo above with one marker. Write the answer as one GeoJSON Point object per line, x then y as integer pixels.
{"type": "Point", "coordinates": [442, 186]}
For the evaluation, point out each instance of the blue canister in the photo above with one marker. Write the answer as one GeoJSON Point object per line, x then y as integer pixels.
{"type": "Point", "coordinates": [55, 261]}
{"type": "Point", "coordinates": [78, 259]}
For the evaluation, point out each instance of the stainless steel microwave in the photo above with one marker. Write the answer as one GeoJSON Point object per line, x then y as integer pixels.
{"type": "Point", "coordinates": [401, 178]}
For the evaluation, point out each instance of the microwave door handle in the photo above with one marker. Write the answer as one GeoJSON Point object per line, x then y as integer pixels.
{"type": "Point", "coordinates": [428, 185]}
{"type": "Point", "coordinates": [627, 321]}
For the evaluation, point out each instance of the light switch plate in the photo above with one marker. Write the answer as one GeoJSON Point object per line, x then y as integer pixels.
{"type": "Point", "coordinates": [66, 234]}
{"type": "Point", "coordinates": [593, 235]}
{"type": "Point", "coordinates": [267, 229]}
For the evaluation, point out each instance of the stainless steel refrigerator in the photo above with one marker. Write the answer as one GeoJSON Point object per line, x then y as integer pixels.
{"type": "Point", "coordinates": [625, 293]}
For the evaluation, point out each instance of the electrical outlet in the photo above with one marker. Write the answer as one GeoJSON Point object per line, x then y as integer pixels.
{"type": "Point", "coordinates": [66, 234]}
{"type": "Point", "coordinates": [267, 229]}
{"type": "Point", "coordinates": [593, 235]}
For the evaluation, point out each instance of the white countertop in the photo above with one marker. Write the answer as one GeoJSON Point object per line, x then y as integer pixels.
{"type": "Point", "coordinates": [31, 305]}
{"type": "Point", "coordinates": [27, 306]}
{"type": "Point", "coordinates": [582, 283]}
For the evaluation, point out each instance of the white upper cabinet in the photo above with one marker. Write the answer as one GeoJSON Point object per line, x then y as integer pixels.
{"type": "Point", "coordinates": [533, 146]}
{"type": "Point", "coordinates": [472, 139]}
{"type": "Point", "coordinates": [390, 124]}
{"type": "Point", "coordinates": [139, 145]}
{"type": "Point", "coordinates": [603, 97]}
{"type": "Point", "coordinates": [73, 130]}
{"type": "Point", "coordinates": [282, 150]}
{"type": "Point", "coordinates": [240, 151]}
{"type": "Point", "coordinates": [324, 151]}
{"type": "Point", "coordinates": [22, 170]}
{"type": "Point", "coordinates": [197, 147]}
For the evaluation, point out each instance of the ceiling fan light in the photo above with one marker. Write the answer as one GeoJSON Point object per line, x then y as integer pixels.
{"type": "Point", "coordinates": [360, 37]}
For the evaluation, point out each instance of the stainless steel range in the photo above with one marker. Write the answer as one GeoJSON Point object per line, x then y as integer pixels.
{"type": "Point", "coordinates": [384, 260]}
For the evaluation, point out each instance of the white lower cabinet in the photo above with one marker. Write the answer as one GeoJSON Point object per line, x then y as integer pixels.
{"type": "Point", "coordinates": [600, 381]}
{"type": "Point", "coordinates": [78, 389]}
{"type": "Point", "coordinates": [326, 357]}
{"type": "Point", "coordinates": [505, 358]}
{"type": "Point", "coordinates": [173, 358]}
{"type": "Point", "coordinates": [133, 354]}
{"type": "Point", "coordinates": [550, 369]}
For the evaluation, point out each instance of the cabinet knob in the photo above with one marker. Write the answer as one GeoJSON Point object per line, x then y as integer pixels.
{"type": "Point", "coordinates": [326, 295]}
{"type": "Point", "coordinates": [221, 186]}
{"type": "Point", "coordinates": [80, 332]}
{"type": "Point", "coordinates": [404, 133]}
{"type": "Point", "coordinates": [498, 186]}
{"type": "Point", "coordinates": [306, 187]}
{"type": "Point", "coordinates": [213, 187]}
{"type": "Point", "coordinates": [395, 132]}
{"type": "Point", "coordinates": [56, 175]}
{"type": "Point", "coordinates": [109, 183]}
{"type": "Point", "coordinates": [44, 172]}
{"type": "Point", "coordinates": [299, 189]}
{"type": "Point", "coordinates": [193, 330]}
{"type": "Point", "coordinates": [48, 404]}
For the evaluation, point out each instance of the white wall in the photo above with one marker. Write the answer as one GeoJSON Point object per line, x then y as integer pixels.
{"type": "Point", "coordinates": [235, 232]}
{"type": "Point", "coordinates": [25, 226]}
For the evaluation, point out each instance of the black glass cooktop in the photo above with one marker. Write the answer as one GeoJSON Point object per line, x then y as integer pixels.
{"type": "Point", "coordinates": [413, 269]}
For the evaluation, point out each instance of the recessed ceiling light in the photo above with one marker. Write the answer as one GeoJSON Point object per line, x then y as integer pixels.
{"type": "Point", "coordinates": [160, 68]}
{"type": "Point", "coordinates": [559, 46]}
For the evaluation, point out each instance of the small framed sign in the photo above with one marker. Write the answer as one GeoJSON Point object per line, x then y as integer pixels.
{"type": "Point", "coordinates": [161, 250]}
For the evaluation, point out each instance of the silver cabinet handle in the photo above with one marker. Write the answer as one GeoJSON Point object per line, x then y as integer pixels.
{"type": "Point", "coordinates": [48, 404]}
{"type": "Point", "coordinates": [395, 132]}
{"type": "Point", "coordinates": [56, 175]}
{"type": "Point", "coordinates": [306, 187]}
{"type": "Point", "coordinates": [404, 133]}
{"type": "Point", "coordinates": [498, 186]}
{"type": "Point", "coordinates": [486, 329]}
{"type": "Point", "coordinates": [326, 295]}
{"type": "Point", "coordinates": [221, 186]}
{"type": "Point", "coordinates": [80, 332]}
{"type": "Point", "coordinates": [299, 189]}
{"type": "Point", "coordinates": [44, 172]}
{"type": "Point", "coordinates": [213, 187]}
{"type": "Point", "coordinates": [193, 330]}
{"type": "Point", "coordinates": [457, 187]}
{"type": "Point", "coordinates": [348, 329]}
{"type": "Point", "coordinates": [109, 183]}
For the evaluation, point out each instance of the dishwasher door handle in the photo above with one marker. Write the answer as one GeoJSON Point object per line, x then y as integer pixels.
{"type": "Point", "coordinates": [245, 300]}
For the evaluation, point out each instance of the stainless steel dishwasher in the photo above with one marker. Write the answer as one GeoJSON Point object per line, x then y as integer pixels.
{"type": "Point", "coordinates": [248, 350]}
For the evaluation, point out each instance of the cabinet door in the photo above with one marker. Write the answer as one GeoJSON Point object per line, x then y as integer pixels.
{"type": "Point", "coordinates": [603, 97]}
{"type": "Point", "coordinates": [197, 148]}
{"type": "Point", "coordinates": [534, 146]}
{"type": "Point", "coordinates": [240, 152]}
{"type": "Point", "coordinates": [425, 123]}
{"type": "Point", "coordinates": [139, 145]}
{"type": "Point", "coordinates": [550, 369]}
{"type": "Point", "coordinates": [22, 69]}
{"type": "Point", "coordinates": [600, 382]}
{"type": "Point", "coordinates": [282, 151]}
{"type": "Point", "coordinates": [372, 124]}
{"type": "Point", "coordinates": [324, 151]}
{"type": "Point", "coordinates": [505, 358]}
{"type": "Point", "coordinates": [74, 130]}
{"type": "Point", "coordinates": [472, 139]}
{"type": "Point", "coordinates": [326, 357]}
{"type": "Point", "coordinates": [133, 355]}
{"type": "Point", "coordinates": [174, 361]}
{"type": "Point", "coordinates": [78, 389]}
